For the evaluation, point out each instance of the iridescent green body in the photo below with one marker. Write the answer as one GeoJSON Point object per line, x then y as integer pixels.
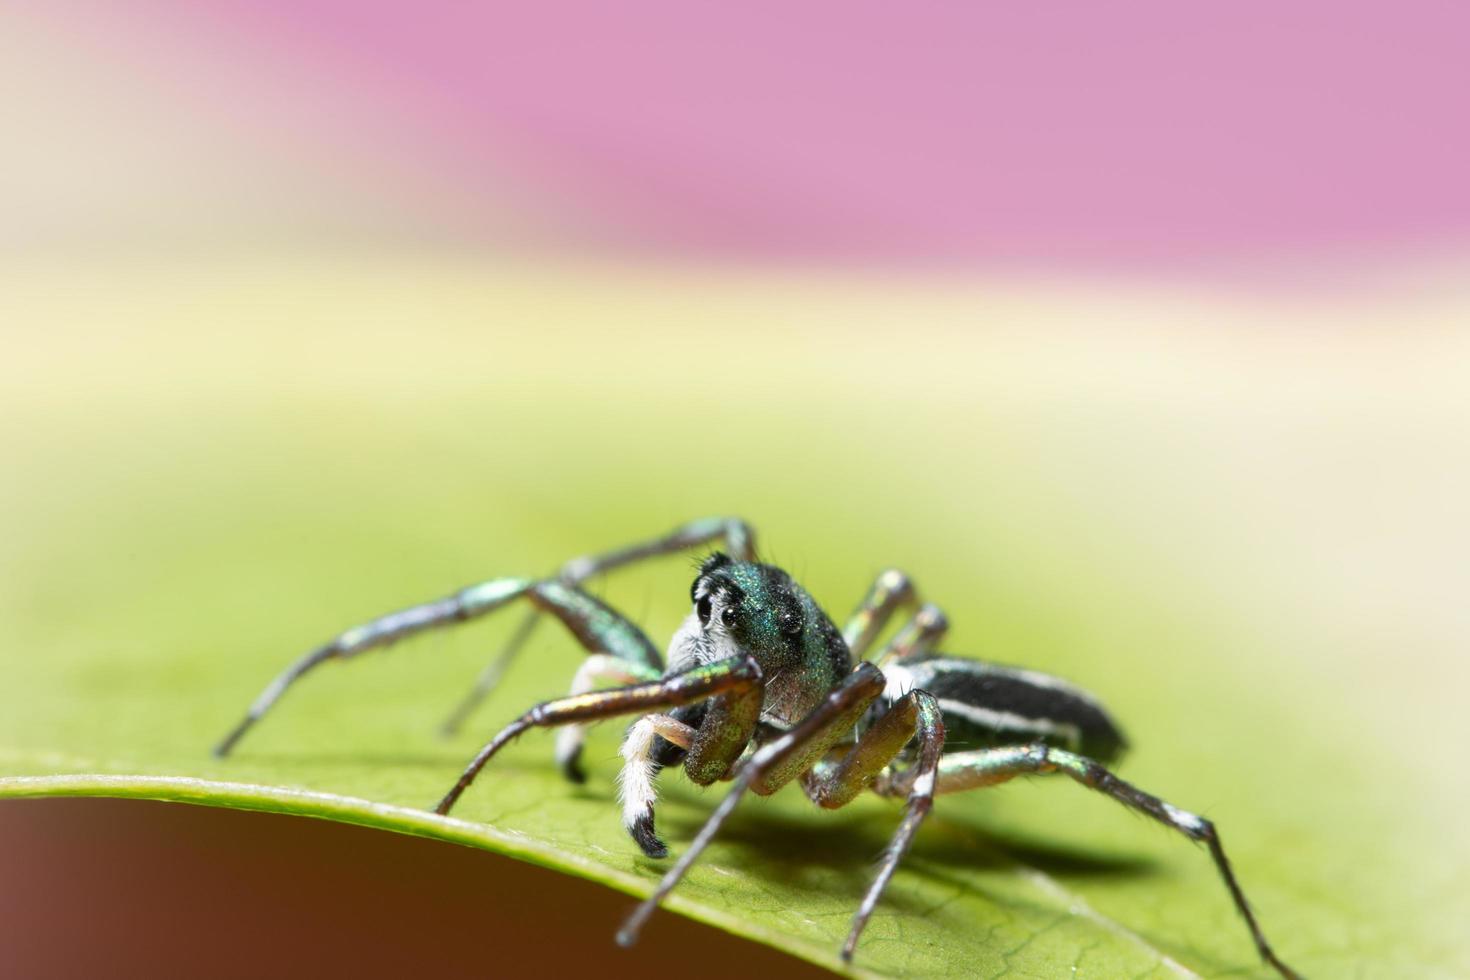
{"type": "Point", "coordinates": [761, 611]}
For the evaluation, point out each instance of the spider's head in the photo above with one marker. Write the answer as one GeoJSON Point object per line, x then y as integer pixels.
{"type": "Point", "coordinates": [744, 607]}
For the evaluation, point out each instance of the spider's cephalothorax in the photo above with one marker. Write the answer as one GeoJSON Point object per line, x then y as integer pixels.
{"type": "Point", "coordinates": [762, 689]}
{"type": "Point", "coordinates": [741, 607]}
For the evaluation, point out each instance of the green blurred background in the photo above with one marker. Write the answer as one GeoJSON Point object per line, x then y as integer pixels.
{"type": "Point", "coordinates": [1247, 540]}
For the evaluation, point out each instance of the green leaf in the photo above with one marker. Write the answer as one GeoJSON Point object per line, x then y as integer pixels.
{"type": "Point", "coordinates": [218, 473]}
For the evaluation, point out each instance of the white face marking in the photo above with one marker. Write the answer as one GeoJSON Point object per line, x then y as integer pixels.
{"type": "Point", "coordinates": [692, 644]}
{"type": "Point", "coordinates": [683, 651]}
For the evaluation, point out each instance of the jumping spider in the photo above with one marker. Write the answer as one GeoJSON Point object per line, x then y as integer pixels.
{"type": "Point", "coordinates": [762, 689]}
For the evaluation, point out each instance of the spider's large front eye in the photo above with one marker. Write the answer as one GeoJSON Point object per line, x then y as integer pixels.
{"type": "Point", "coordinates": [727, 616]}
{"type": "Point", "coordinates": [701, 608]}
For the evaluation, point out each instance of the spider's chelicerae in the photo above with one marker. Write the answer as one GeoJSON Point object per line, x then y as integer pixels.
{"type": "Point", "coordinates": [761, 689]}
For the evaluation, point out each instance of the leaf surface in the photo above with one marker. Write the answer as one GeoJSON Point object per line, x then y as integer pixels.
{"type": "Point", "coordinates": [219, 474]}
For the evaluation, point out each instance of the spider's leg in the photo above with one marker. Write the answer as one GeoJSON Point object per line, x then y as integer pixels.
{"type": "Point", "coordinates": [779, 760]}
{"type": "Point", "coordinates": [490, 676]}
{"type": "Point", "coordinates": [710, 750]}
{"type": "Point", "coordinates": [916, 638]}
{"type": "Point", "coordinates": [598, 627]}
{"type": "Point", "coordinates": [836, 782]}
{"type": "Point", "coordinates": [737, 536]}
{"type": "Point", "coordinates": [891, 591]}
{"type": "Point", "coordinates": [599, 667]}
{"type": "Point", "coordinates": [735, 674]}
{"type": "Point", "coordinates": [988, 767]}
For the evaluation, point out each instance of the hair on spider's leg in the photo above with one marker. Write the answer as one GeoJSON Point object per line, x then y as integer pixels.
{"type": "Point", "coordinates": [635, 781]}
{"type": "Point", "coordinates": [737, 673]}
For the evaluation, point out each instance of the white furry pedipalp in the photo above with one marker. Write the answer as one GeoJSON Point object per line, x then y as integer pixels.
{"type": "Point", "coordinates": [635, 782]}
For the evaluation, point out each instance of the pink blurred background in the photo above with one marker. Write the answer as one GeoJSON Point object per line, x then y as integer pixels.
{"type": "Point", "coordinates": [1152, 135]}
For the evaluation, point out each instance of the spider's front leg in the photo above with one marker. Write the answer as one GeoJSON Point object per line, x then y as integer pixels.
{"type": "Point", "coordinates": [803, 750]}
{"type": "Point", "coordinates": [735, 675]}
{"type": "Point", "coordinates": [598, 627]}
{"type": "Point", "coordinates": [738, 537]}
{"type": "Point", "coordinates": [836, 783]}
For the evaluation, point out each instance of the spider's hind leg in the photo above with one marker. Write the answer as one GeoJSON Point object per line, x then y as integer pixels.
{"type": "Point", "coordinates": [989, 767]}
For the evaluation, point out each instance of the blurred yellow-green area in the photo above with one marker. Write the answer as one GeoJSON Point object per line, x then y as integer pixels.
{"type": "Point", "coordinates": [1240, 519]}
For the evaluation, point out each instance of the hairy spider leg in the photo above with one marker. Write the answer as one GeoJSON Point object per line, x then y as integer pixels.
{"type": "Point", "coordinates": [736, 673]}
{"type": "Point", "coordinates": [738, 538]}
{"type": "Point", "coordinates": [597, 626]}
{"type": "Point", "coordinates": [989, 767]}
{"type": "Point", "coordinates": [798, 751]}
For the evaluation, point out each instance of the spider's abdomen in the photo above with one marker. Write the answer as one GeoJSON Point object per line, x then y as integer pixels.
{"type": "Point", "coordinates": [988, 704]}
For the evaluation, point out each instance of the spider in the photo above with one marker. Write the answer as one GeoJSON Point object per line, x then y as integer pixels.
{"type": "Point", "coordinates": [762, 689]}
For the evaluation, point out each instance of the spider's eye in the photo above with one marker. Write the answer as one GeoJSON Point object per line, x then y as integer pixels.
{"type": "Point", "coordinates": [727, 616]}
{"type": "Point", "coordinates": [790, 623]}
{"type": "Point", "coordinates": [701, 608]}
